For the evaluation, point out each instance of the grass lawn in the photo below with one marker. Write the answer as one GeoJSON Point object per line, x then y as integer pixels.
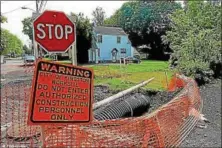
{"type": "Point", "coordinates": [62, 62]}
{"type": "Point", "coordinates": [122, 77]}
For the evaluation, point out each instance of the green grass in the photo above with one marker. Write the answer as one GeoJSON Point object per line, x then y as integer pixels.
{"type": "Point", "coordinates": [122, 77]}
{"type": "Point", "coordinates": [62, 62]}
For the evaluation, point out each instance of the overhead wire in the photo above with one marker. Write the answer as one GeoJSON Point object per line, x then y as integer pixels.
{"type": "Point", "coordinates": [16, 9]}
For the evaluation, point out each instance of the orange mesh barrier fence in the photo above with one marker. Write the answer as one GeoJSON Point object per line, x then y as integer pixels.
{"type": "Point", "coordinates": [165, 127]}
{"type": "Point", "coordinates": [15, 97]}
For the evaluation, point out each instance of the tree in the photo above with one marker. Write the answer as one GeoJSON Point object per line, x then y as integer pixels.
{"type": "Point", "coordinates": [83, 34]}
{"type": "Point", "coordinates": [4, 44]}
{"type": "Point", "coordinates": [195, 38]}
{"type": "Point", "coordinates": [114, 20]}
{"type": "Point", "coordinates": [98, 16]}
{"type": "Point", "coordinates": [3, 19]}
{"type": "Point", "coordinates": [10, 43]}
{"type": "Point", "coordinates": [27, 27]}
{"type": "Point", "coordinates": [26, 50]}
{"type": "Point", "coordinates": [146, 22]}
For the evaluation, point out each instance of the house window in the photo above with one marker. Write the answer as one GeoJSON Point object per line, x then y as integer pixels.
{"type": "Point", "coordinates": [99, 39]}
{"type": "Point", "coordinates": [123, 50]}
{"type": "Point", "coordinates": [118, 39]}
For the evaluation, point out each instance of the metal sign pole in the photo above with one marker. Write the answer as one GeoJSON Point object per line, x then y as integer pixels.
{"type": "Point", "coordinates": [35, 47]}
{"type": "Point", "coordinates": [74, 51]}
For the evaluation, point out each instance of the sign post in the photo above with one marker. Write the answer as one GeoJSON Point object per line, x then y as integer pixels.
{"type": "Point", "coordinates": [55, 33]}
{"type": "Point", "coordinates": [61, 94]}
{"type": "Point", "coordinates": [74, 52]}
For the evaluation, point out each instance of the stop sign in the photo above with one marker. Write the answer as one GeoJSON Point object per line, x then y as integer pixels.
{"type": "Point", "coordinates": [54, 31]}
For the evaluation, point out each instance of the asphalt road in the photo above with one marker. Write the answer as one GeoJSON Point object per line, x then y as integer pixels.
{"type": "Point", "coordinates": [11, 65]}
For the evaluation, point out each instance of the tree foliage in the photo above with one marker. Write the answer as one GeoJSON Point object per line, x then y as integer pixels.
{"type": "Point", "coordinates": [114, 20]}
{"type": "Point", "coordinates": [98, 16]}
{"type": "Point", "coordinates": [83, 34]}
{"type": "Point", "coordinates": [3, 19]}
{"type": "Point", "coordinates": [26, 50]}
{"type": "Point", "coordinates": [145, 22]}
{"type": "Point", "coordinates": [195, 38]}
{"type": "Point", "coordinates": [10, 43]}
{"type": "Point", "coordinates": [27, 27]}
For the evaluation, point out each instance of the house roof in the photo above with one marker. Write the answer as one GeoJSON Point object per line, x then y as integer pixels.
{"type": "Point", "coordinates": [109, 30]}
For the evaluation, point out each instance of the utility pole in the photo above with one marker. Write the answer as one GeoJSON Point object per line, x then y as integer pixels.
{"type": "Point", "coordinates": [37, 6]}
{"type": "Point", "coordinates": [35, 45]}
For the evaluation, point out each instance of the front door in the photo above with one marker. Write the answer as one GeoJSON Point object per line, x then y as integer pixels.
{"type": "Point", "coordinates": [114, 55]}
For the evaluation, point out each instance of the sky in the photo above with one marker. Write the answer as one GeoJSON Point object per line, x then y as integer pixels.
{"type": "Point", "coordinates": [15, 17]}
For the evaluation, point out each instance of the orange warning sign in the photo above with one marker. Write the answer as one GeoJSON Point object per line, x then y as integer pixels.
{"type": "Point", "coordinates": [61, 94]}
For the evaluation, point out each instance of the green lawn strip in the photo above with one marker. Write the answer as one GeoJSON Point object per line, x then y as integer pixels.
{"type": "Point", "coordinates": [62, 62]}
{"type": "Point", "coordinates": [115, 84]}
{"type": "Point", "coordinates": [158, 83]}
{"type": "Point", "coordinates": [144, 66]}
{"type": "Point", "coordinates": [65, 62]}
{"type": "Point", "coordinates": [47, 59]}
{"type": "Point", "coordinates": [120, 78]}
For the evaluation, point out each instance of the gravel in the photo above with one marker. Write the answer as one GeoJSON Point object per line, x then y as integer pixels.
{"type": "Point", "coordinates": [208, 134]}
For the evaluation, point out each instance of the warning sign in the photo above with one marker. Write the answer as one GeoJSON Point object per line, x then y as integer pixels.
{"type": "Point", "coordinates": [61, 94]}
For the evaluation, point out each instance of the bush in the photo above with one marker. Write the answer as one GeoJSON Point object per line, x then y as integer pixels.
{"type": "Point", "coordinates": [195, 39]}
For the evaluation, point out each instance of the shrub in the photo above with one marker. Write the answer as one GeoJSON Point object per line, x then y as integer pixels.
{"type": "Point", "coordinates": [195, 38]}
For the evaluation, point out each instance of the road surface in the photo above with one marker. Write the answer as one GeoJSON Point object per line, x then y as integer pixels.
{"type": "Point", "coordinates": [11, 65]}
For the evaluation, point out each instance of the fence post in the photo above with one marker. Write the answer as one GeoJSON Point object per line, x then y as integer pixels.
{"type": "Point", "coordinates": [166, 79]}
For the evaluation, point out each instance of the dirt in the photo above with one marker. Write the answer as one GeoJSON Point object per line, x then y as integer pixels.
{"type": "Point", "coordinates": [208, 134]}
{"type": "Point", "coordinates": [161, 98]}
{"type": "Point", "coordinates": [101, 92]}
{"type": "Point", "coordinates": [157, 98]}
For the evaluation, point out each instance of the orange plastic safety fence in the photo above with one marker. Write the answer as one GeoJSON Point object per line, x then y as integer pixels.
{"type": "Point", "coordinates": [15, 97]}
{"type": "Point", "coordinates": [165, 127]}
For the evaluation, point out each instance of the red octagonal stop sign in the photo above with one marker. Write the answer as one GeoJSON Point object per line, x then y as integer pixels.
{"type": "Point", "coordinates": [54, 31]}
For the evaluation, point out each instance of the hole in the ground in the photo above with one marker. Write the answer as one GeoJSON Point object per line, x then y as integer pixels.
{"type": "Point", "coordinates": [132, 105]}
